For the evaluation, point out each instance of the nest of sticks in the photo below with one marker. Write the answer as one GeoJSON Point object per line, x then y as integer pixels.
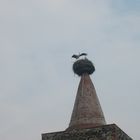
{"type": "Point", "coordinates": [83, 66]}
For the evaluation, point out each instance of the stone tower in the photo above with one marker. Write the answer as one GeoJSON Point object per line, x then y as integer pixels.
{"type": "Point", "coordinates": [87, 119]}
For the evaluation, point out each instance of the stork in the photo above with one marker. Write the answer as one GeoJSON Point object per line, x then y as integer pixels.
{"type": "Point", "coordinates": [78, 56]}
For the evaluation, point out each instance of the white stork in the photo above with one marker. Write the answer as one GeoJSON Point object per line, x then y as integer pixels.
{"type": "Point", "coordinates": [77, 56]}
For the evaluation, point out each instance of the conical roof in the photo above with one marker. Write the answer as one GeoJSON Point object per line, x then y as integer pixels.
{"type": "Point", "coordinates": [87, 111]}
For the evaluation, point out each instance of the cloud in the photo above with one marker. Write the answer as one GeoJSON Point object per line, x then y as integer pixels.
{"type": "Point", "coordinates": [37, 40]}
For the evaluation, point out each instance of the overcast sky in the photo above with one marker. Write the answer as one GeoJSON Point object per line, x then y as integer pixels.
{"type": "Point", "coordinates": [37, 85]}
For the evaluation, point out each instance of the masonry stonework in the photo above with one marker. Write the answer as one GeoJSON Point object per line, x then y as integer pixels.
{"type": "Point", "coordinates": [106, 132]}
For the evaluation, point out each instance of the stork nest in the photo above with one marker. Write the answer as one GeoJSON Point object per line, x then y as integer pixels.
{"type": "Point", "coordinates": [83, 66]}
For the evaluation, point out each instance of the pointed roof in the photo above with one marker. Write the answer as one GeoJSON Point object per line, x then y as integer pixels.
{"type": "Point", "coordinates": [87, 111]}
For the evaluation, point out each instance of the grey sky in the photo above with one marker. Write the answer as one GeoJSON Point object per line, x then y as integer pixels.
{"type": "Point", "coordinates": [37, 85]}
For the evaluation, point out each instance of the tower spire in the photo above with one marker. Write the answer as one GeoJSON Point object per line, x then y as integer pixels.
{"type": "Point", "coordinates": [87, 111]}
